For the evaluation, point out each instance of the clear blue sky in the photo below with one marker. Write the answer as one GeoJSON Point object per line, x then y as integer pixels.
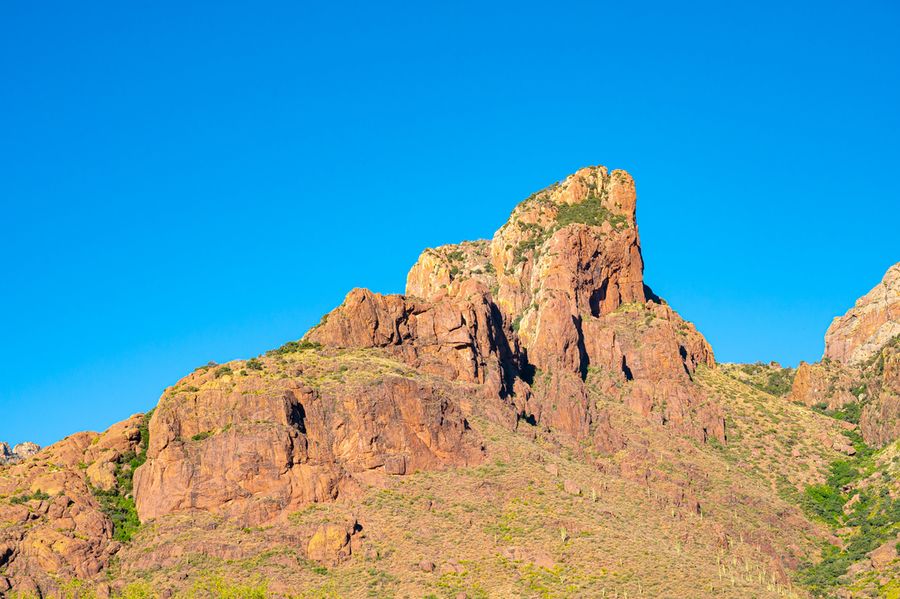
{"type": "Point", "coordinates": [185, 182]}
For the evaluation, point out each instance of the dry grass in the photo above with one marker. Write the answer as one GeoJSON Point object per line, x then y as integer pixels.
{"type": "Point", "coordinates": [506, 528]}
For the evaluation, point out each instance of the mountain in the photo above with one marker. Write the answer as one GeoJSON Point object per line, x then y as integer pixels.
{"type": "Point", "coordinates": [528, 419]}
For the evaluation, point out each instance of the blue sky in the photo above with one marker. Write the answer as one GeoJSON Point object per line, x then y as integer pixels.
{"type": "Point", "coordinates": [182, 183]}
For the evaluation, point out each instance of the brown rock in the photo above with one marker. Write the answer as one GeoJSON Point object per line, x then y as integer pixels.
{"type": "Point", "coordinates": [571, 487]}
{"type": "Point", "coordinates": [26, 450]}
{"type": "Point", "coordinates": [827, 384]}
{"type": "Point", "coordinates": [460, 337]}
{"type": "Point", "coordinates": [558, 290]}
{"type": "Point", "coordinates": [256, 448]}
{"type": "Point", "coordinates": [20, 452]}
{"type": "Point", "coordinates": [45, 541]}
{"type": "Point", "coordinates": [329, 544]}
{"type": "Point", "coordinates": [868, 325]}
{"type": "Point", "coordinates": [102, 473]}
{"type": "Point", "coordinates": [880, 418]}
{"type": "Point", "coordinates": [426, 566]}
{"type": "Point", "coordinates": [884, 554]}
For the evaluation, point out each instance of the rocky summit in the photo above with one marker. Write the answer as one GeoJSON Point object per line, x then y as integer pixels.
{"type": "Point", "coordinates": [528, 420]}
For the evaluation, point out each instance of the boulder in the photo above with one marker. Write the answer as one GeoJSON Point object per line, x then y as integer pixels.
{"type": "Point", "coordinates": [884, 554]}
{"type": "Point", "coordinates": [329, 544]}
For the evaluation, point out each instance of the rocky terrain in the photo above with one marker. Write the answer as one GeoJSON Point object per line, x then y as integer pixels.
{"type": "Point", "coordinates": [18, 453]}
{"type": "Point", "coordinates": [528, 419]}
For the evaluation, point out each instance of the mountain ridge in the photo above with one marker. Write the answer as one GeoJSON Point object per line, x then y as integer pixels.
{"type": "Point", "coordinates": [533, 373]}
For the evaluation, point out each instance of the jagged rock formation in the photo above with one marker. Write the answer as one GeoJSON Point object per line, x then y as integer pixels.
{"type": "Point", "coordinates": [517, 321]}
{"type": "Point", "coordinates": [880, 418]}
{"type": "Point", "coordinates": [18, 453]}
{"type": "Point", "coordinates": [860, 373]}
{"type": "Point", "coordinates": [558, 290]}
{"type": "Point", "coordinates": [54, 527]}
{"type": "Point", "coordinates": [873, 321]}
{"type": "Point", "coordinates": [502, 357]}
{"type": "Point", "coordinates": [826, 384]}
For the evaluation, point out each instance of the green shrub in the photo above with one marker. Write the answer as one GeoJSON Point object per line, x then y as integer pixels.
{"type": "Point", "coordinates": [254, 364]}
{"type": "Point", "coordinates": [294, 346]}
{"type": "Point", "coordinates": [38, 495]}
{"type": "Point", "coordinates": [874, 519]}
{"type": "Point", "coordinates": [823, 502]}
{"type": "Point", "coordinates": [117, 503]}
{"type": "Point", "coordinates": [216, 586]}
{"type": "Point", "coordinates": [121, 511]}
{"type": "Point", "coordinates": [849, 413]}
{"type": "Point", "coordinates": [224, 370]}
{"type": "Point", "coordinates": [516, 323]}
{"type": "Point", "coordinates": [589, 212]}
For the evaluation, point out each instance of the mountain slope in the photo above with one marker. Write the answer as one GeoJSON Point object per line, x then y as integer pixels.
{"type": "Point", "coordinates": [529, 419]}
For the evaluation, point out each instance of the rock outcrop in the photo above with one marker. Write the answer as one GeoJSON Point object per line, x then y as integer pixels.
{"type": "Point", "coordinates": [873, 321]}
{"type": "Point", "coordinates": [53, 524]}
{"type": "Point", "coordinates": [558, 290]}
{"type": "Point", "coordinates": [457, 334]}
{"type": "Point", "coordinates": [859, 376]}
{"type": "Point", "coordinates": [18, 453]}
{"type": "Point", "coordinates": [258, 440]}
{"type": "Point", "coordinates": [826, 385]}
{"type": "Point", "coordinates": [880, 417]}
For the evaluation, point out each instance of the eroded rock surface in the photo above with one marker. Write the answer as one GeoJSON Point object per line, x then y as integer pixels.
{"type": "Point", "coordinates": [557, 291]}
{"type": "Point", "coordinates": [53, 526]}
{"type": "Point", "coordinates": [255, 443]}
{"type": "Point", "coordinates": [859, 377]}
{"type": "Point", "coordinates": [513, 329]}
{"type": "Point", "coordinates": [871, 323]}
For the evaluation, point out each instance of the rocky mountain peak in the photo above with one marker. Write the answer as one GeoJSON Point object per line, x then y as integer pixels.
{"type": "Point", "coordinates": [873, 321]}
{"type": "Point", "coordinates": [557, 291]}
{"type": "Point", "coordinates": [523, 385]}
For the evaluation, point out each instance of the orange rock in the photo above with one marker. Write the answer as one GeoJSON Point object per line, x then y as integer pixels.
{"type": "Point", "coordinates": [884, 554]}
{"type": "Point", "coordinates": [65, 536]}
{"type": "Point", "coordinates": [869, 324]}
{"type": "Point", "coordinates": [254, 448]}
{"type": "Point", "coordinates": [329, 544]}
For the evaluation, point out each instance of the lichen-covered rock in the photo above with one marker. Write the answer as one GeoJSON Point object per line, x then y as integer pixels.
{"type": "Point", "coordinates": [330, 543]}
{"type": "Point", "coordinates": [869, 324]}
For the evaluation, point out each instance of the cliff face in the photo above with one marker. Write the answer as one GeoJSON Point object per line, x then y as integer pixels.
{"type": "Point", "coordinates": [858, 375]}
{"type": "Point", "coordinates": [875, 319]}
{"type": "Point", "coordinates": [256, 440]}
{"type": "Point", "coordinates": [565, 275]}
